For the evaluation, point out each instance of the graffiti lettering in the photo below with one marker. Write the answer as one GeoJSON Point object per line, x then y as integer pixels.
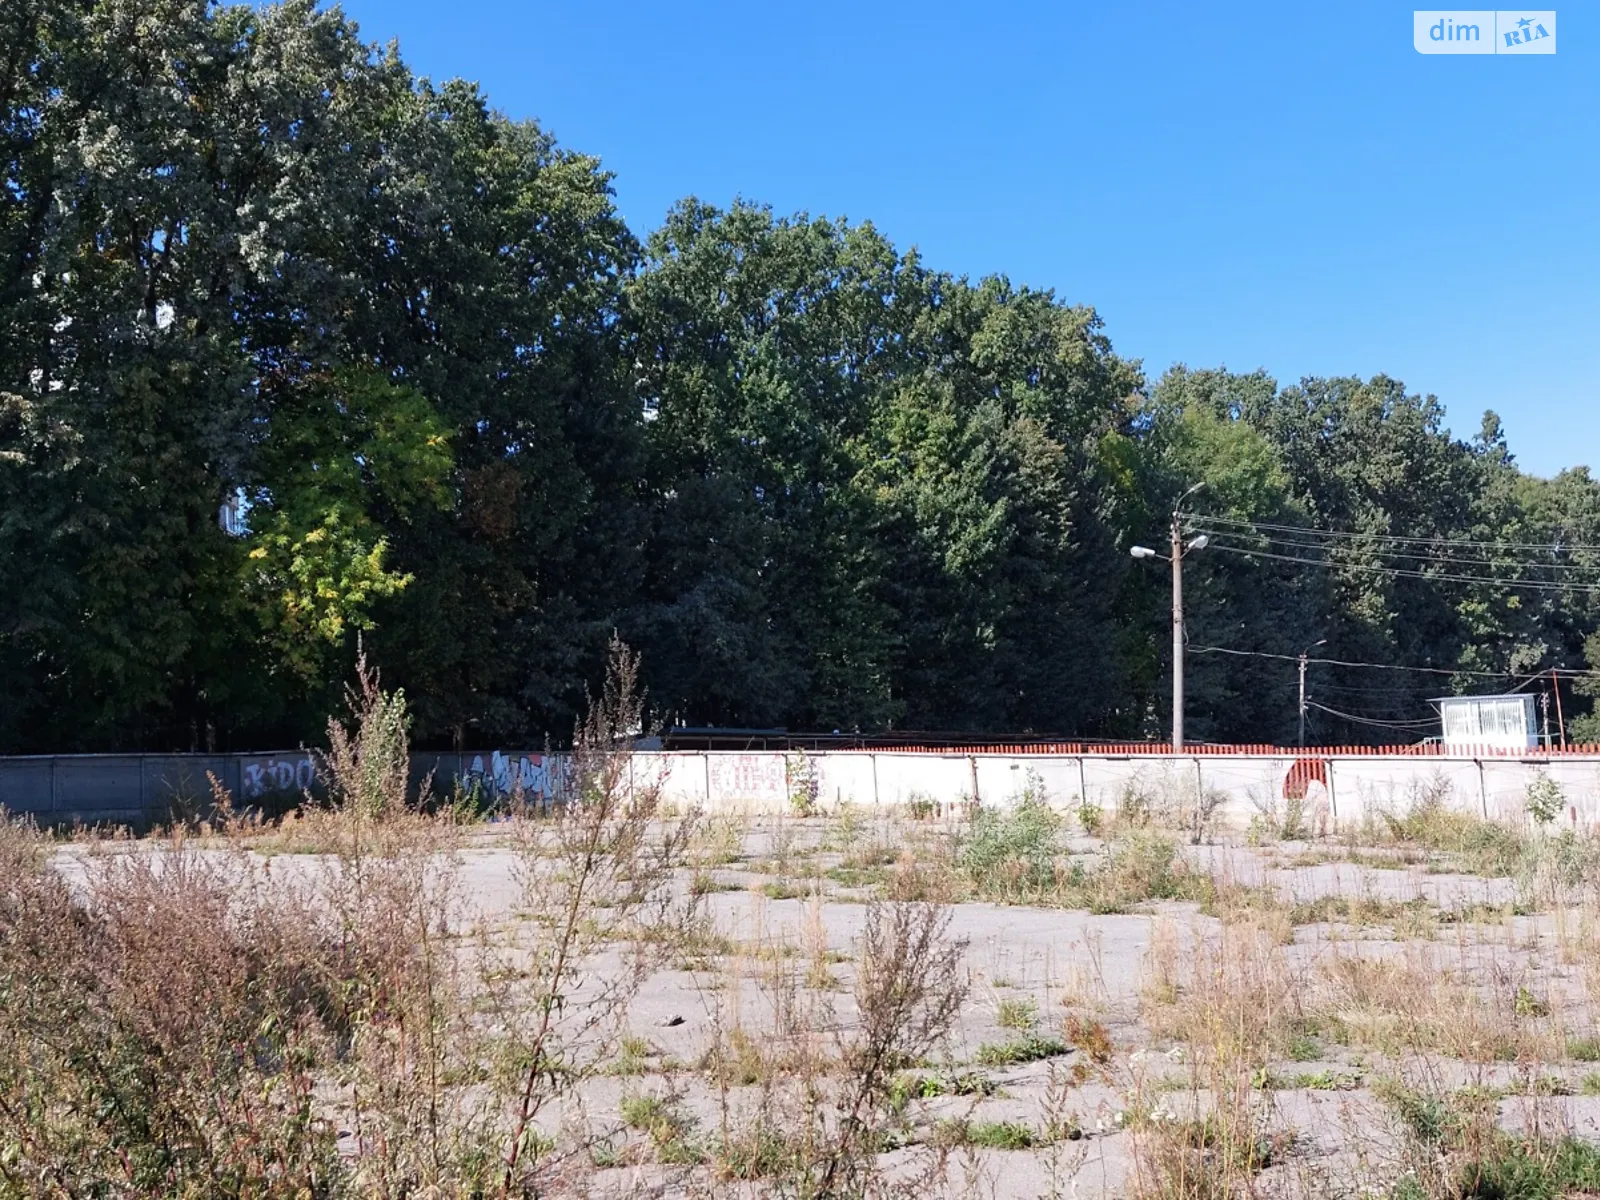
{"type": "Point", "coordinates": [748, 776]}
{"type": "Point", "coordinates": [260, 776]}
{"type": "Point", "coordinates": [535, 776]}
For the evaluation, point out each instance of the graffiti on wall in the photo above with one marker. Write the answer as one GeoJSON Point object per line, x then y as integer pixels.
{"type": "Point", "coordinates": [748, 776]}
{"type": "Point", "coordinates": [274, 773]}
{"type": "Point", "coordinates": [535, 776]}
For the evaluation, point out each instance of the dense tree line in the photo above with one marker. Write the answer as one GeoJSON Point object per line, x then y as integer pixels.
{"type": "Point", "coordinates": [297, 348]}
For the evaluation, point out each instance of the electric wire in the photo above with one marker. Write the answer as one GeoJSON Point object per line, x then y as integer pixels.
{"type": "Point", "coordinates": [1553, 547]}
{"type": "Point", "coordinates": [1409, 726]}
{"type": "Point", "coordinates": [1563, 672]}
{"type": "Point", "coordinates": [1402, 573]}
{"type": "Point", "coordinates": [1448, 560]}
{"type": "Point", "coordinates": [1443, 554]}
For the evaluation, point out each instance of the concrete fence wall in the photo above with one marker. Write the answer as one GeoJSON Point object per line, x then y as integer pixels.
{"type": "Point", "coordinates": [1344, 789]}
{"type": "Point", "coordinates": [142, 789]}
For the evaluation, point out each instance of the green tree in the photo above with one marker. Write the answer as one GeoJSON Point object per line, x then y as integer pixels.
{"type": "Point", "coordinates": [1195, 430]}
{"type": "Point", "coordinates": [344, 458]}
{"type": "Point", "coordinates": [766, 344]}
{"type": "Point", "coordinates": [1003, 556]}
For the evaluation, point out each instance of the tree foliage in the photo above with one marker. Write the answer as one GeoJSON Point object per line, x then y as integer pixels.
{"type": "Point", "coordinates": [453, 410]}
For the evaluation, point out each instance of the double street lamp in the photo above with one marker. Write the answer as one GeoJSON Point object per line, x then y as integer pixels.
{"type": "Point", "coordinates": [1180, 548]}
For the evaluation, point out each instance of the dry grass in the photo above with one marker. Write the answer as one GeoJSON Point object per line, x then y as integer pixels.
{"type": "Point", "coordinates": [304, 1005]}
{"type": "Point", "coordinates": [188, 1022]}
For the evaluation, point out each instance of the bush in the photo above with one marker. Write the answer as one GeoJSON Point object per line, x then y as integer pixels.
{"type": "Point", "coordinates": [1141, 865]}
{"type": "Point", "coordinates": [368, 764]}
{"type": "Point", "coordinates": [1544, 799]}
{"type": "Point", "coordinates": [163, 1032]}
{"type": "Point", "coordinates": [1007, 854]}
{"type": "Point", "coordinates": [1482, 847]}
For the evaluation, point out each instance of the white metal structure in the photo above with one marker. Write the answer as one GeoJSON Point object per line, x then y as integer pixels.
{"type": "Point", "coordinates": [1501, 722]}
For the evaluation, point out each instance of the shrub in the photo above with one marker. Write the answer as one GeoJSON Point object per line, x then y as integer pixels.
{"type": "Point", "coordinates": [367, 767]}
{"type": "Point", "coordinates": [804, 784]}
{"type": "Point", "coordinates": [123, 1014]}
{"type": "Point", "coordinates": [1012, 852]}
{"type": "Point", "coordinates": [1544, 799]}
{"type": "Point", "coordinates": [187, 1022]}
{"type": "Point", "coordinates": [1141, 865]}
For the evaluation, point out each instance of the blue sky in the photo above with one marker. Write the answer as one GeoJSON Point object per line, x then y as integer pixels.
{"type": "Point", "coordinates": [1286, 186]}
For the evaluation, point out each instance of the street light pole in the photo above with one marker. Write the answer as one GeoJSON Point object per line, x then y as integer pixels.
{"type": "Point", "coordinates": [1179, 550]}
{"type": "Point", "coordinates": [1177, 630]}
{"type": "Point", "coordinates": [1303, 659]}
{"type": "Point", "coordinates": [1302, 699]}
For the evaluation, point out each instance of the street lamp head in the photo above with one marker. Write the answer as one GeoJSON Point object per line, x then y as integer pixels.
{"type": "Point", "coordinates": [1198, 543]}
{"type": "Point", "coordinates": [1142, 552]}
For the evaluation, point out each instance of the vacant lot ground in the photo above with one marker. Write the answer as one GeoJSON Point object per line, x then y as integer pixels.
{"type": "Point", "coordinates": [1014, 1002]}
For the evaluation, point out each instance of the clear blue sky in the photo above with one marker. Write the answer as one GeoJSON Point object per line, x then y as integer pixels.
{"type": "Point", "coordinates": [1285, 186]}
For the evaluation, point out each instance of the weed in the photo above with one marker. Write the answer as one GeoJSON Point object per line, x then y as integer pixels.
{"type": "Point", "coordinates": [1020, 1050]}
{"type": "Point", "coordinates": [368, 763]}
{"type": "Point", "coordinates": [920, 807]}
{"type": "Point", "coordinates": [1092, 1037]}
{"type": "Point", "coordinates": [1211, 1158]}
{"type": "Point", "coordinates": [1325, 1081]}
{"type": "Point", "coordinates": [987, 1135]}
{"type": "Point", "coordinates": [1274, 822]}
{"type": "Point", "coordinates": [633, 1054]}
{"type": "Point", "coordinates": [1526, 1004]}
{"type": "Point", "coordinates": [908, 1087]}
{"type": "Point", "coordinates": [1009, 854]}
{"type": "Point", "coordinates": [1583, 1049]}
{"type": "Point", "coordinates": [761, 1152]}
{"type": "Point", "coordinates": [1017, 1013]}
{"type": "Point", "coordinates": [669, 1129]}
{"type": "Point", "coordinates": [1302, 1047]}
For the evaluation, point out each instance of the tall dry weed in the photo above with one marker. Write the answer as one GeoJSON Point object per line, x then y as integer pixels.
{"type": "Point", "coordinates": [188, 1018]}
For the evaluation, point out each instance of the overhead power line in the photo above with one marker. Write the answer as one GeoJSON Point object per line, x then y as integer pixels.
{"type": "Point", "coordinates": [1525, 676]}
{"type": "Point", "coordinates": [1402, 688]}
{"type": "Point", "coordinates": [1553, 547]}
{"type": "Point", "coordinates": [1446, 560]}
{"type": "Point", "coordinates": [1408, 726]}
{"type": "Point", "coordinates": [1404, 573]}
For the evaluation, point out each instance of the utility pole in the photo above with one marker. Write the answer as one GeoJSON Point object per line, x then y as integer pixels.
{"type": "Point", "coordinates": [1544, 705]}
{"type": "Point", "coordinates": [1179, 549]}
{"type": "Point", "coordinates": [1177, 631]}
{"type": "Point", "coordinates": [1303, 660]}
{"type": "Point", "coordinates": [1302, 699]}
{"type": "Point", "coordinates": [1561, 721]}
